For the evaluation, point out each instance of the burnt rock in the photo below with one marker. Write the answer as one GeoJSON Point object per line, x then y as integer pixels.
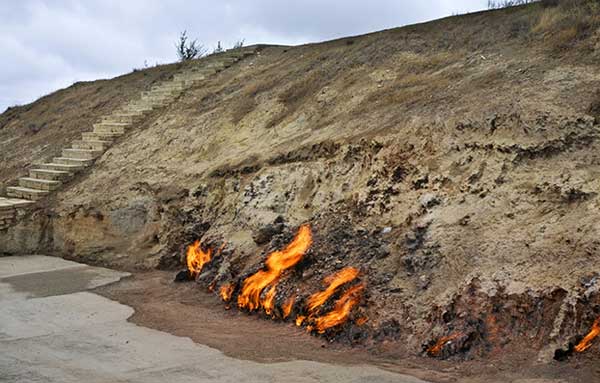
{"type": "Point", "coordinates": [562, 355]}
{"type": "Point", "coordinates": [266, 233]}
{"type": "Point", "coordinates": [183, 276]}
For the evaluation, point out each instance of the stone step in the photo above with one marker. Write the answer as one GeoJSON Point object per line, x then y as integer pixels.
{"type": "Point", "coordinates": [154, 100]}
{"type": "Point", "coordinates": [60, 167]}
{"type": "Point", "coordinates": [123, 118]}
{"type": "Point", "coordinates": [51, 175]}
{"type": "Point", "coordinates": [72, 161]}
{"type": "Point", "coordinates": [34, 183]}
{"type": "Point", "coordinates": [90, 136]}
{"type": "Point", "coordinates": [15, 203]}
{"type": "Point", "coordinates": [27, 193]}
{"type": "Point", "coordinates": [109, 130]}
{"type": "Point", "coordinates": [117, 126]}
{"type": "Point", "coordinates": [91, 144]}
{"type": "Point", "coordinates": [82, 154]}
{"type": "Point", "coordinates": [162, 92]}
{"type": "Point", "coordinates": [134, 107]}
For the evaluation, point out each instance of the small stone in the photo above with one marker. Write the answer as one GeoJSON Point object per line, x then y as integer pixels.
{"type": "Point", "coordinates": [386, 230]}
{"type": "Point", "coordinates": [429, 200]}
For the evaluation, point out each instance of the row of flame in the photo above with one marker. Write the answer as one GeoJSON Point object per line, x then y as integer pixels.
{"type": "Point", "coordinates": [279, 261]}
{"type": "Point", "coordinates": [251, 296]}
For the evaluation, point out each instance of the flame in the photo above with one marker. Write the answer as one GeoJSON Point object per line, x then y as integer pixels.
{"type": "Point", "coordinates": [269, 302]}
{"type": "Point", "coordinates": [589, 338]}
{"type": "Point", "coordinates": [226, 291]}
{"type": "Point", "coordinates": [196, 258]}
{"type": "Point", "coordinates": [299, 320]}
{"type": "Point", "coordinates": [439, 345]}
{"type": "Point", "coordinates": [361, 321]}
{"type": "Point", "coordinates": [334, 281]}
{"type": "Point", "coordinates": [277, 262]}
{"type": "Point", "coordinates": [287, 306]}
{"type": "Point", "coordinates": [341, 310]}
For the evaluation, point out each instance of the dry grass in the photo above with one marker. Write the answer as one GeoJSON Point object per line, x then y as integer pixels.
{"type": "Point", "coordinates": [569, 23]}
{"type": "Point", "coordinates": [246, 102]}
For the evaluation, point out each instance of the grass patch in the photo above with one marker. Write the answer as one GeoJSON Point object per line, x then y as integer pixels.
{"type": "Point", "coordinates": [571, 22]}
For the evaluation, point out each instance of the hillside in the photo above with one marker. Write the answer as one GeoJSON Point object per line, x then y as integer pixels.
{"type": "Point", "coordinates": [455, 163]}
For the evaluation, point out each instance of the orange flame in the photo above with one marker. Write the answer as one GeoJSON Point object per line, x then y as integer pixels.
{"type": "Point", "coordinates": [334, 281]}
{"type": "Point", "coordinates": [299, 320]}
{"type": "Point", "coordinates": [589, 338]}
{"type": "Point", "coordinates": [439, 345]}
{"type": "Point", "coordinates": [226, 291]}
{"type": "Point", "coordinates": [277, 262]}
{"type": "Point", "coordinates": [287, 306]}
{"type": "Point", "coordinates": [196, 258]}
{"type": "Point", "coordinates": [341, 310]}
{"type": "Point", "coordinates": [269, 302]}
{"type": "Point", "coordinates": [361, 321]}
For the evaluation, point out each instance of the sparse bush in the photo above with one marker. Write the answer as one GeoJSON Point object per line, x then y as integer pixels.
{"type": "Point", "coordinates": [218, 49]}
{"type": "Point", "coordinates": [188, 49]}
{"type": "Point", "coordinates": [498, 4]}
{"type": "Point", "coordinates": [239, 44]}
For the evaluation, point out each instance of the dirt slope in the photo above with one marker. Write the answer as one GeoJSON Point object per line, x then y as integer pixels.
{"type": "Point", "coordinates": [454, 162]}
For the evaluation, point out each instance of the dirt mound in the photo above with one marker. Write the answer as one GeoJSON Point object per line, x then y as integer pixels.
{"type": "Point", "coordinates": [454, 163]}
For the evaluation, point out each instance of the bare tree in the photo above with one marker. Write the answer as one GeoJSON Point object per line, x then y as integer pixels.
{"type": "Point", "coordinates": [188, 49]}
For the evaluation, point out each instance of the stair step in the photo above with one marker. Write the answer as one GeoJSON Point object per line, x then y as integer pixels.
{"type": "Point", "coordinates": [60, 167]}
{"type": "Point", "coordinates": [34, 183]}
{"type": "Point", "coordinates": [73, 161]}
{"type": "Point", "coordinates": [108, 130]}
{"type": "Point", "coordinates": [51, 175]}
{"type": "Point", "coordinates": [90, 136]}
{"type": "Point", "coordinates": [81, 154]}
{"type": "Point", "coordinates": [27, 193]}
{"type": "Point", "coordinates": [128, 118]}
{"type": "Point", "coordinates": [91, 144]}
{"type": "Point", "coordinates": [13, 203]}
{"type": "Point", "coordinates": [118, 127]}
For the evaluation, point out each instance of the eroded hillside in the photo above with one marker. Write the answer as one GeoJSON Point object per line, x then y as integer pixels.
{"type": "Point", "coordinates": [455, 163]}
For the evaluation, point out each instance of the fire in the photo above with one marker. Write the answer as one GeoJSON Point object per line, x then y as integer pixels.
{"type": "Point", "coordinates": [287, 306]}
{"type": "Point", "coordinates": [439, 345]}
{"type": "Point", "coordinates": [269, 302]}
{"type": "Point", "coordinates": [299, 320]}
{"type": "Point", "coordinates": [277, 262]}
{"type": "Point", "coordinates": [361, 321]}
{"type": "Point", "coordinates": [589, 338]}
{"type": "Point", "coordinates": [341, 310]}
{"type": "Point", "coordinates": [334, 281]}
{"type": "Point", "coordinates": [196, 258]}
{"type": "Point", "coordinates": [226, 291]}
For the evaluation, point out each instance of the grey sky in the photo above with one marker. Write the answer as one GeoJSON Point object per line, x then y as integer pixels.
{"type": "Point", "coordinates": [47, 45]}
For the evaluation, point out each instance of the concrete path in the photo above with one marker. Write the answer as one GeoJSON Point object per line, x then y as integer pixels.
{"type": "Point", "coordinates": [52, 330]}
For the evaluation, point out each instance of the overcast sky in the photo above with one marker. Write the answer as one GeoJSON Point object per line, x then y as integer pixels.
{"type": "Point", "coordinates": [47, 45]}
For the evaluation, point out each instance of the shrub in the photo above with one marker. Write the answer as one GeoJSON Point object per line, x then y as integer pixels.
{"type": "Point", "coordinates": [239, 44]}
{"type": "Point", "coordinates": [219, 48]}
{"type": "Point", "coordinates": [188, 49]}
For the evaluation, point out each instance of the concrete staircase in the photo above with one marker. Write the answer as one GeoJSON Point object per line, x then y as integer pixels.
{"type": "Point", "coordinates": [45, 178]}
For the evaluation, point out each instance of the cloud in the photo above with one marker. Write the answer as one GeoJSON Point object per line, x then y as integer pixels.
{"type": "Point", "coordinates": [48, 45]}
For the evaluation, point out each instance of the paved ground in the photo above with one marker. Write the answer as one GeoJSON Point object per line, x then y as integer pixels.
{"type": "Point", "coordinates": [53, 330]}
